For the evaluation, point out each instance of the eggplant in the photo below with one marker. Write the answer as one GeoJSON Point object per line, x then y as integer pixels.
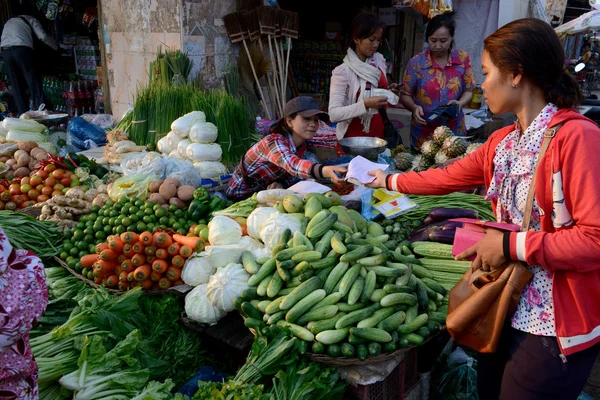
{"type": "Point", "coordinates": [420, 237]}
{"type": "Point", "coordinates": [451, 226]}
{"type": "Point", "coordinates": [439, 214]}
{"type": "Point", "coordinates": [428, 226]}
{"type": "Point", "coordinates": [442, 236]}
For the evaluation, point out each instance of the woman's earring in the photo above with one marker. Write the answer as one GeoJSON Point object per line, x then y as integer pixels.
{"type": "Point", "coordinates": [515, 86]}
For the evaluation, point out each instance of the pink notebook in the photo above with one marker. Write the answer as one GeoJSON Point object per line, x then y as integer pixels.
{"type": "Point", "coordinates": [472, 232]}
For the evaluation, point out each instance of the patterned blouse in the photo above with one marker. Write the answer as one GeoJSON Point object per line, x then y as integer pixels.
{"type": "Point", "coordinates": [23, 299]}
{"type": "Point", "coordinates": [432, 86]}
{"type": "Point", "coordinates": [514, 165]}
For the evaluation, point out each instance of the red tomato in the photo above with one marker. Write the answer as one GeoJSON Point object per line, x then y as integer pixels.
{"type": "Point", "coordinates": [57, 193]}
{"type": "Point", "coordinates": [25, 181]}
{"type": "Point", "coordinates": [25, 188]}
{"type": "Point", "coordinates": [5, 196]}
{"type": "Point", "coordinates": [58, 174]}
{"type": "Point", "coordinates": [18, 200]}
{"type": "Point", "coordinates": [49, 168]}
{"type": "Point", "coordinates": [50, 181]}
{"type": "Point", "coordinates": [66, 181]}
{"type": "Point", "coordinates": [58, 186]}
{"type": "Point", "coordinates": [68, 174]}
{"type": "Point", "coordinates": [2, 205]}
{"type": "Point", "coordinates": [42, 174]}
{"type": "Point", "coordinates": [36, 180]}
{"type": "Point", "coordinates": [15, 190]}
{"type": "Point", "coordinates": [47, 190]}
{"type": "Point", "coordinates": [42, 197]}
{"type": "Point", "coordinates": [33, 194]}
{"type": "Point", "coordinates": [40, 187]}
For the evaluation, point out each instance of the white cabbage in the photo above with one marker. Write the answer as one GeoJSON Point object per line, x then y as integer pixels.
{"type": "Point", "coordinates": [210, 169]}
{"type": "Point", "coordinates": [182, 125]}
{"type": "Point", "coordinates": [181, 148]}
{"type": "Point", "coordinates": [49, 147]}
{"type": "Point", "coordinates": [15, 135]}
{"type": "Point", "coordinates": [272, 229]}
{"type": "Point", "coordinates": [255, 247]}
{"type": "Point", "coordinates": [163, 146]}
{"type": "Point", "coordinates": [197, 269]}
{"type": "Point", "coordinates": [220, 256]}
{"type": "Point", "coordinates": [204, 132]}
{"type": "Point", "coordinates": [226, 285]}
{"type": "Point", "coordinates": [224, 231]}
{"type": "Point", "coordinates": [17, 124]}
{"type": "Point", "coordinates": [200, 309]}
{"type": "Point", "coordinates": [175, 154]}
{"type": "Point", "coordinates": [257, 218]}
{"type": "Point", "coordinates": [204, 152]}
{"type": "Point", "coordinates": [173, 140]}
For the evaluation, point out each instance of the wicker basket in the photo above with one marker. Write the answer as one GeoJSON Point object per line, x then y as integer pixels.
{"type": "Point", "coordinates": [32, 211]}
{"type": "Point", "coordinates": [159, 292]}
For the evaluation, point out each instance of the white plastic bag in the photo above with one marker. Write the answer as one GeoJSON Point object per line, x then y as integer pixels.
{"type": "Point", "coordinates": [184, 171]}
{"type": "Point", "coordinates": [224, 231]}
{"type": "Point", "coordinates": [226, 285]}
{"type": "Point", "coordinates": [200, 309]}
{"type": "Point", "coordinates": [151, 163]}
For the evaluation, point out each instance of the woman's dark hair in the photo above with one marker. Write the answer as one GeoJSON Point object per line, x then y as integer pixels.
{"type": "Point", "coordinates": [363, 26]}
{"type": "Point", "coordinates": [281, 126]}
{"type": "Point", "coordinates": [440, 21]}
{"type": "Point", "coordinates": [530, 47]}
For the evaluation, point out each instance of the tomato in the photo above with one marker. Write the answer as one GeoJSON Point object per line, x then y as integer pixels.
{"type": "Point", "coordinates": [47, 190]}
{"type": "Point", "coordinates": [49, 168]}
{"type": "Point", "coordinates": [42, 174]}
{"type": "Point", "coordinates": [40, 187]}
{"type": "Point", "coordinates": [25, 197]}
{"type": "Point", "coordinates": [50, 181]}
{"type": "Point", "coordinates": [57, 193]}
{"type": "Point", "coordinates": [2, 188]}
{"type": "Point", "coordinates": [58, 174]}
{"type": "Point", "coordinates": [42, 197]}
{"type": "Point", "coordinates": [18, 199]}
{"type": "Point", "coordinates": [68, 174]}
{"type": "Point", "coordinates": [28, 203]}
{"type": "Point", "coordinates": [36, 180]}
{"type": "Point", "coordinates": [15, 190]}
{"type": "Point", "coordinates": [58, 186]}
{"type": "Point", "coordinates": [5, 196]}
{"type": "Point", "coordinates": [10, 206]}
{"type": "Point", "coordinates": [66, 181]}
{"type": "Point", "coordinates": [25, 187]}
{"type": "Point", "coordinates": [33, 194]}
{"type": "Point", "coordinates": [25, 180]}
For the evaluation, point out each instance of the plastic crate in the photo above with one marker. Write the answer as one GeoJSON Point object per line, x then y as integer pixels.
{"type": "Point", "coordinates": [391, 388]}
{"type": "Point", "coordinates": [411, 373]}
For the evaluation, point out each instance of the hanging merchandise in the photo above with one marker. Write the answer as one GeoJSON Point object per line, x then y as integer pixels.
{"type": "Point", "coordinates": [52, 10]}
{"type": "Point", "coordinates": [90, 16]}
{"type": "Point", "coordinates": [439, 7]}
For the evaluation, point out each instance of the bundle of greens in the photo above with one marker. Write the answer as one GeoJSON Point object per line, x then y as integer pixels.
{"type": "Point", "coordinates": [25, 232]}
{"type": "Point", "coordinates": [240, 209]}
{"type": "Point", "coordinates": [230, 390]}
{"type": "Point", "coordinates": [307, 380]}
{"type": "Point", "coordinates": [453, 200]}
{"type": "Point", "coordinates": [171, 67]}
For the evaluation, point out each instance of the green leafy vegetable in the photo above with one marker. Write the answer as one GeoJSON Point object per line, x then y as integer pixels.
{"type": "Point", "coordinates": [25, 232]}
{"type": "Point", "coordinates": [230, 390]}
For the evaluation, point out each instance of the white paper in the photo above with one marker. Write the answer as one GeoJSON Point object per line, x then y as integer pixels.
{"type": "Point", "coordinates": [391, 96]}
{"type": "Point", "coordinates": [358, 170]}
{"type": "Point", "coordinates": [304, 187]}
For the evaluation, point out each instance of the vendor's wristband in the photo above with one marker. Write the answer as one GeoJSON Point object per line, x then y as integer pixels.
{"type": "Point", "coordinates": [506, 245]}
{"type": "Point", "coordinates": [388, 184]}
{"type": "Point", "coordinates": [321, 167]}
{"type": "Point", "coordinates": [313, 171]}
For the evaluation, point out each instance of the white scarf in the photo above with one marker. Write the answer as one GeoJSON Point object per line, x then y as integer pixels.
{"type": "Point", "coordinates": [366, 73]}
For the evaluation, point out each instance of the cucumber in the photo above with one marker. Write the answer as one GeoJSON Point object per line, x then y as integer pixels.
{"type": "Point", "coordinates": [330, 300]}
{"type": "Point", "coordinates": [421, 272]}
{"type": "Point", "coordinates": [438, 317]}
{"type": "Point", "coordinates": [375, 349]}
{"type": "Point", "coordinates": [262, 260]}
{"type": "Point", "coordinates": [386, 272]}
{"type": "Point", "coordinates": [309, 256]}
{"type": "Point", "coordinates": [347, 350]}
{"type": "Point", "coordinates": [414, 339]}
{"type": "Point", "coordinates": [300, 268]}
{"type": "Point", "coordinates": [324, 273]}
{"type": "Point", "coordinates": [403, 280]}
{"type": "Point", "coordinates": [355, 316]}
{"type": "Point", "coordinates": [422, 298]}
{"type": "Point", "coordinates": [282, 243]}
{"type": "Point", "coordinates": [262, 306]}
{"type": "Point", "coordinates": [397, 289]}
{"type": "Point", "coordinates": [261, 290]}
{"type": "Point", "coordinates": [287, 254]}
{"type": "Point", "coordinates": [363, 272]}
{"type": "Point", "coordinates": [412, 313]}
{"type": "Point", "coordinates": [326, 324]}
{"type": "Point", "coordinates": [332, 336]}
{"type": "Point", "coordinates": [431, 306]}
{"type": "Point", "coordinates": [334, 351]}
{"type": "Point", "coordinates": [249, 263]}
{"type": "Point", "coordinates": [370, 284]}
{"type": "Point", "coordinates": [312, 207]}
{"type": "Point", "coordinates": [273, 307]}
{"type": "Point", "coordinates": [390, 347]}
{"type": "Point", "coordinates": [251, 311]}
{"type": "Point", "coordinates": [433, 285]}
{"type": "Point", "coordinates": [286, 291]}
{"type": "Point", "coordinates": [398, 257]}
{"type": "Point", "coordinates": [377, 295]}
{"type": "Point", "coordinates": [348, 279]}
{"type": "Point", "coordinates": [407, 328]}
{"type": "Point", "coordinates": [327, 262]}
{"type": "Point", "coordinates": [372, 334]}
{"type": "Point", "coordinates": [275, 285]}
{"type": "Point", "coordinates": [340, 227]}
{"type": "Point", "coordinates": [423, 332]}
{"type": "Point", "coordinates": [255, 303]}
{"type": "Point", "coordinates": [398, 298]}
{"type": "Point", "coordinates": [356, 340]}
{"type": "Point", "coordinates": [372, 260]}
{"type": "Point", "coordinates": [253, 323]}
{"type": "Point", "coordinates": [356, 290]}
{"type": "Point", "coordinates": [323, 246]}
{"type": "Point", "coordinates": [318, 218]}
{"type": "Point", "coordinates": [249, 294]}
{"type": "Point", "coordinates": [377, 317]}
{"type": "Point", "coordinates": [306, 276]}
{"type": "Point", "coordinates": [354, 255]}
{"type": "Point", "coordinates": [403, 267]}
{"type": "Point", "coordinates": [267, 269]}
{"type": "Point", "coordinates": [301, 292]}
{"type": "Point", "coordinates": [362, 352]}
{"type": "Point", "coordinates": [278, 316]}
{"type": "Point", "coordinates": [303, 305]}
{"type": "Point", "coordinates": [318, 348]}
{"type": "Point", "coordinates": [345, 307]}
{"type": "Point", "coordinates": [322, 227]}
{"type": "Point", "coordinates": [318, 314]}
{"type": "Point", "coordinates": [338, 245]}
{"type": "Point", "coordinates": [335, 276]}
{"type": "Point", "coordinates": [392, 322]}
{"type": "Point", "coordinates": [403, 343]}
{"type": "Point", "coordinates": [300, 332]}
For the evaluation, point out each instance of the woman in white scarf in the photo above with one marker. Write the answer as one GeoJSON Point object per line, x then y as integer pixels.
{"type": "Point", "coordinates": [350, 100]}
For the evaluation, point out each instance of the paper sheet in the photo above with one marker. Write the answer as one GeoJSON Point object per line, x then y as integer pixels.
{"type": "Point", "coordinates": [358, 170]}
{"type": "Point", "coordinates": [304, 187]}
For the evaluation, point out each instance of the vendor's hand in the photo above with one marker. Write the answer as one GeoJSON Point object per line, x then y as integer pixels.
{"type": "Point", "coordinates": [376, 102]}
{"type": "Point", "coordinates": [380, 178]}
{"type": "Point", "coordinates": [275, 185]}
{"type": "Point", "coordinates": [395, 88]}
{"type": "Point", "coordinates": [418, 115]}
{"type": "Point", "coordinates": [489, 252]}
{"type": "Point", "coordinates": [460, 106]}
{"type": "Point", "coordinates": [329, 172]}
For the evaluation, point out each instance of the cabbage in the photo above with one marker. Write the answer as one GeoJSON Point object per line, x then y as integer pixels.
{"type": "Point", "coordinates": [181, 148]}
{"type": "Point", "coordinates": [255, 247]}
{"type": "Point", "coordinates": [175, 154]}
{"type": "Point", "coordinates": [204, 132]}
{"type": "Point", "coordinates": [199, 308]}
{"type": "Point", "coordinates": [210, 169]}
{"type": "Point", "coordinates": [16, 124]}
{"type": "Point", "coordinates": [223, 231]}
{"type": "Point", "coordinates": [163, 146]}
{"type": "Point", "coordinates": [15, 135]}
{"type": "Point", "coordinates": [220, 256]}
{"type": "Point", "coordinates": [173, 140]}
{"type": "Point", "coordinates": [272, 229]}
{"type": "Point", "coordinates": [226, 285]}
{"type": "Point", "coordinates": [181, 126]}
{"type": "Point", "coordinates": [197, 269]}
{"type": "Point", "coordinates": [257, 218]}
{"type": "Point", "coordinates": [204, 152]}
{"type": "Point", "coordinates": [49, 147]}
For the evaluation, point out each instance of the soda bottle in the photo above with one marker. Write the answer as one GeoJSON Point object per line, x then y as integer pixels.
{"type": "Point", "coordinates": [477, 98]}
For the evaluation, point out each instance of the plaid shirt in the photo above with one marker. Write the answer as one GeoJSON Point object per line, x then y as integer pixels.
{"type": "Point", "coordinates": [274, 159]}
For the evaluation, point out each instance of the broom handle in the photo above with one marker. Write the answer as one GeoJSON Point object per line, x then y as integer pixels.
{"type": "Point", "coordinates": [276, 82]}
{"type": "Point", "coordinates": [287, 61]}
{"type": "Point", "coordinates": [272, 92]}
{"type": "Point", "coordinates": [262, 97]}
{"type": "Point", "coordinates": [280, 62]}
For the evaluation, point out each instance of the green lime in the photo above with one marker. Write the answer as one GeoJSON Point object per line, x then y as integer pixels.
{"type": "Point", "coordinates": [83, 253]}
{"type": "Point", "coordinates": [100, 235]}
{"type": "Point", "coordinates": [149, 204]}
{"type": "Point", "coordinates": [84, 218]}
{"type": "Point", "coordinates": [134, 218]}
{"type": "Point", "coordinates": [176, 226]}
{"type": "Point", "coordinates": [126, 221]}
{"type": "Point", "coordinates": [182, 231]}
{"type": "Point", "coordinates": [78, 234]}
{"type": "Point", "coordinates": [82, 245]}
{"type": "Point", "coordinates": [78, 266]}
{"type": "Point", "coordinates": [92, 248]}
{"type": "Point", "coordinates": [80, 226]}
{"type": "Point", "coordinates": [89, 238]}
{"type": "Point", "coordinates": [67, 245]}
{"type": "Point", "coordinates": [157, 207]}
{"type": "Point", "coordinates": [163, 220]}
{"type": "Point", "coordinates": [68, 234]}
{"type": "Point", "coordinates": [154, 229]}
{"type": "Point", "coordinates": [114, 230]}
{"type": "Point", "coordinates": [141, 226]}
{"type": "Point", "coordinates": [93, 216]}
{"type": "Point", "coordinates": [114, 213]}
{"type": "Point", "coordinates": [130, 228]}
{"type": "Point", "coordinates": [109, 203]}
{"type": "Point", "coordinates": [119, 220]}
{"type": "Point", "coordinates": [133, 210]}
{"type": "Point", "coordinates": [69, 258]}
{"type": "Point", "coordinates": [105, 221]}
{"type": "Point", "coordinates": [88, 231]}
{"type": "Point", "coordinates": [148, 211]}
{"type": "Point", "coordinates": [63, 255]}
{"type": "Point", "coordinates": [123, 200]}
{"type": "Point", "coordinates": [107, 229]}
{"type": "Point", "coordinates": [139, 203]}
{"type": "Point", "coordinates": [98, 226]}
{"type": "Point", "coordinates": [173, 208]}
{"type": "Point", "coordinates": [95, 209]}
{"type": "Point", "coordinates": [125, 210]}
{"type": "Point", "coordinates": [72, 263]}
{"type": "Point", "coordinates": [74, 252]}
{"type": "Point", "coordinates": [172, 221]}
{"type": "Point", "coordinates": [151, 227]}
{"type": "Point", "coordinates": [147, 219]}
{"type": "Point", "coordinates": [179, 213]}
{"type": "Point", "coordinates": [89, 225]}
{"type": "Point", "coordinates": [161, 212]}
{"type": "Point", "coordinates": [121, 229]}
{"type": "Point", "coordinates": [182, 222]}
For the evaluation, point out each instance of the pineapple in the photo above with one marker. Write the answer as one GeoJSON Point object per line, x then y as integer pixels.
{"type": "Point", "coordinates": [429, 148]}
{"type": "Point", "coordinates": [472, 148]}
{"type": "Point", "coordinates": [403, 161]}
{"type": "Point", "coordinates": [440, 134]}
{"type": "Point", "coordinates": [398, 149]}
{"type": "Point", "coordinates": [441, 158]}
{"type": "Point", "coordinates": [420, 163]}
{"type": "Point", "coordinates": [454, 146]}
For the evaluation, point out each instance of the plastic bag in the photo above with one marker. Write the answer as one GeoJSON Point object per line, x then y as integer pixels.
{"type": "Point", "coordinates": [83, 135]}
{"type": "Point", "coordinates": [144, 163]}
{"type": "Point", "coordinates": [131, 186]}
{"type": "Point", "coordinates": [460, 382]}
{"type": "Point", "coordinates": [182, 170]}
{"type": "Point", "coordinates": [104, 121]}
{"type": "Point", "coordinates": [368, 211]}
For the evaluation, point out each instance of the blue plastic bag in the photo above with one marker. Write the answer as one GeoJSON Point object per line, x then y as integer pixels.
{"type": "Point", "coordinates": [83, 135]}
{"type": "Point", "coordinates": [368, 211]}
{"type": "Point", "coordinates": [207, 374]}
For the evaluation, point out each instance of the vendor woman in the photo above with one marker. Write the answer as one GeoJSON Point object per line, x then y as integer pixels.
{"type": "Point", "coordinates": [276, 161]}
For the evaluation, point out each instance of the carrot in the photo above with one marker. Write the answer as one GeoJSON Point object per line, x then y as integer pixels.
{"type": "Point", "coordinates": [89, 260]}
{"type": "Point", "coordinates": [173, 249]}
{"type": "Point", "coordinates": [123, 276]}
{"type": "Point", "coordinates": [138, 260]}
{"type": "Point", "coordinates": [101, 247]}
{"type": "Point", "coordinates": [130, 277]}
{"type": "Point", "coordinates": [108, 255]}
{"type": "Point", "coordinates": [130, 237]}
{"type": "Point", "coordinates": [128, 250]}
{"type": "Point", "coordinates": [161, 254]}
{"type": "Point", "coordinates": [124, 286]}
{"type": "Point", "coordinates": [178, 282]}
{"type": "Point", "coordinates": [155, 276]}
{"type": "Point", "coordinates": [127, 266]}
{"type": "Point", "coordinates": [116, 244]}
{"type": "Point", "coordinates": [173, 273]}
{"type": "Point", "coordinates": [142, 272]}
{"type": "Point", "coordinates": [195, 243]}
{"type": "Point", "coordinates": [178, 261]}
{"type": "Point", "coordinates": [150, 250]}
{"type": "Point", "coordinates": [146, 238]}
{"type": "Point", "coordinates": [163, 240]}
{"type": "Point", "coordinates": [121, 258]}
{"type": "Point", "coordinates": [185, 251]}
{"type": "Point", "coordinates": [118, 270]}
{"type": "Point", "coordinates": [104, 267]}
{"type": "Point", "coordinates": [164, 283]}
{"type": "Point", "coordinates": [159, 266]}
{"type": "Point", "coordinates": [112, 281]}
{"type": "Point", "coordinates": [138, 248]}
{"type": "Point", "coordinates": [147, 284]}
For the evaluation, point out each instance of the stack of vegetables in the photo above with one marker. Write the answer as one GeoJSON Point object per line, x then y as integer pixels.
{"type": "Point", "coordinates": [23, 130]}
{"type": "Point", "coordinates": [440, 264]}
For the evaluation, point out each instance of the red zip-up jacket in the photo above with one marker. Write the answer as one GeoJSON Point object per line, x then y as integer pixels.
{"type": "Point", "coordinates": [568, 194]}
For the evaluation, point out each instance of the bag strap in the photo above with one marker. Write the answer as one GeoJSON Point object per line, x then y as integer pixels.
{"type": "Point", "coordinates": [548, 136]}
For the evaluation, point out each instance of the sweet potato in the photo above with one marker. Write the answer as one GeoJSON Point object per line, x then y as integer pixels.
{"type": "Point", "coordinates": [27, 146]}
{"type": "Point", "coordinates": [185, 193]}
{"type": "Point", "coordinates": [156, 198]}
{"type": "Point", "coordinates": [22, 171]}
{"type": "Point", "coordinates": [168, 190]}
{"type": "Point", "coordinates": [154, 186]}
{"type": "Point", "coordinates": [177, 202]}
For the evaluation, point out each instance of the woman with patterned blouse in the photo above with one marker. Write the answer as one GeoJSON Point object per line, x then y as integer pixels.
{"type": "Point", "coordinates": [439, 76]}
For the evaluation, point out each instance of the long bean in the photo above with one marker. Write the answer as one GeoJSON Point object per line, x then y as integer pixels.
{"type": "Point", "coordinates": [453, 200]}
{"type": "Point", "coordinates": [25, 232]}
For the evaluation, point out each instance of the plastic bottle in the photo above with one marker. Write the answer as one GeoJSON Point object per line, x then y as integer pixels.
{"type": "Point", "coordinates": [477, 98]}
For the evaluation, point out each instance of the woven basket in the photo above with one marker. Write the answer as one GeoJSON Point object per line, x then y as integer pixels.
{"type": "Point", "coordinates": [159, 292]}
{"type": "Point", "coordinates": [32, 211]}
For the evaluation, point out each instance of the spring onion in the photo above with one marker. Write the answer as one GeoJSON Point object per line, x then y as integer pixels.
{"type": "Point", "coordinates": [25, 232]}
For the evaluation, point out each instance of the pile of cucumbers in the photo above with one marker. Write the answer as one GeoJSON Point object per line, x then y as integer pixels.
{"type": "Point", "coordinates": [342, 286]}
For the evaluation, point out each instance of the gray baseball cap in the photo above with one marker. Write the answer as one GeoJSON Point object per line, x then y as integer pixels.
{"type": "Point", "coordinates": [306, 107]}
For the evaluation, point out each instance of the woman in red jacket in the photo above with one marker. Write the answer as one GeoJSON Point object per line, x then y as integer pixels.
{"type": "Point", "coordinates": [549, 347]}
